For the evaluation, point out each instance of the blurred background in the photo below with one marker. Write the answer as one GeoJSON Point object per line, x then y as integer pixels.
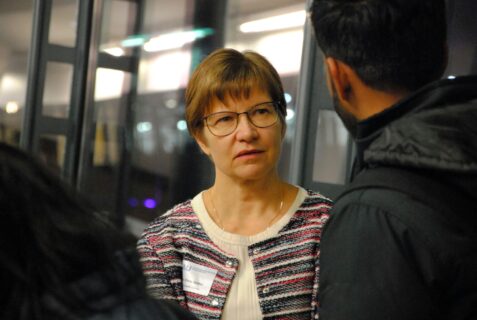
{"type": "Point", "coordinates": [95, 88]}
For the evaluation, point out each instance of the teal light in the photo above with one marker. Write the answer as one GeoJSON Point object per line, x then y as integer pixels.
{"type": "Point", "coordinates": [135, 41]}
{"type": "Point", "coordinates": [203, 32]}
{"type": "Point", "coordinates": [181, 125]}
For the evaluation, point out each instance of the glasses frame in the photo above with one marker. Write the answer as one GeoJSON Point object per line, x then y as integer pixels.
{"type": "Point", "coordinates": [275, 106]}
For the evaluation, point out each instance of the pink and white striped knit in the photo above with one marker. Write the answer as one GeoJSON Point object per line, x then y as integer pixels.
{"type": "Point", "coordinates": [286, 266]}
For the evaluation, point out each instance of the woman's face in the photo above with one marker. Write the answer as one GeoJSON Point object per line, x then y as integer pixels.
{"type": "Point", "coordinates": [249, 152]}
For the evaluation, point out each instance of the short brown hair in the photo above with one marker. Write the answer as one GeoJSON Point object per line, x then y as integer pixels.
{"type": "Point", "coordinates": [228, 72]}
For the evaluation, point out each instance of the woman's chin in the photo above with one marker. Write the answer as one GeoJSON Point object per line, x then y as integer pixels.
{"type": "Point", "coordinates": [252, 172]}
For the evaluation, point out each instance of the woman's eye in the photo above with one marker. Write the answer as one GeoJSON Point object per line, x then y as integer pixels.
{"type": "Point", "coordinates": [224, 119]}
{"type": "Point", "coordinates": [261, 111]}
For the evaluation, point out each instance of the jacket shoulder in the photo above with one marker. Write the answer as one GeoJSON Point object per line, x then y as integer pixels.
{"type": "Point", "coordinates": [179, 212]}
{"type": "Point", "coordinates": [316, 201]}
{"type": "Point", "coordinates": [180, 217]}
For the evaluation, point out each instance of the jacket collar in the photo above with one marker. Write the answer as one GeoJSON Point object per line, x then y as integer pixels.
{"type": "Point", "coordinates": [443, 92]}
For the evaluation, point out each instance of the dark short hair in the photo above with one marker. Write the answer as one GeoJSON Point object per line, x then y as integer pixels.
{"type": "Point", "coordinates": [390, 44]}
{"type": "Point", "coordinates": [49, 237]}
{"type": "Point", "coordinates": [228, 72]}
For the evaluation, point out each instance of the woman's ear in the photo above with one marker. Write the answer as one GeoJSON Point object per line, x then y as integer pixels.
{"type": "Point", "coordinates": [201, 141]}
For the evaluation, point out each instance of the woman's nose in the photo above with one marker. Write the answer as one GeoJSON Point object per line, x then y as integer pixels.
{"type": "Point", "coordinates": [245, 128]}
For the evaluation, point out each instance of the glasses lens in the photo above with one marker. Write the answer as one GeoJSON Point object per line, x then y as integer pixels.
{"type": "Point", "coordinates": [222, 123]}
{"type": "Point", "coordinates": [263, 115]}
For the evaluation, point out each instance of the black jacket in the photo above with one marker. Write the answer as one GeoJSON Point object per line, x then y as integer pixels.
{"type": "Point", "coordinates": [115, 292]}
{"type": "Point", "coordinates": [408, 251]}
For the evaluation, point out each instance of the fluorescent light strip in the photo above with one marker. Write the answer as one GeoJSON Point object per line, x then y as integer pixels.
{"type": "Point", "coordinates": [175, 40]}
{"type": "Point", "coordinates": [115, 51]}
{"type": "Point", "coordinates": [169, 41]}
{"type": "Point", "coordinates": [283, 21]}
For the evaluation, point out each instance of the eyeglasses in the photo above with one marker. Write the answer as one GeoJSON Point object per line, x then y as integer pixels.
{"type": "Point", "coordinates": [223, 123]}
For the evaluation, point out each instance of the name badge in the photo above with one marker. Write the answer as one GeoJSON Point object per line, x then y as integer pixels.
{"type": "Point", "coordinates": [196, 278]}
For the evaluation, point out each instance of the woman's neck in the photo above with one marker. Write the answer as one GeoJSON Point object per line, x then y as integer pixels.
{"type": "Point", "coordinates": [249, 207]}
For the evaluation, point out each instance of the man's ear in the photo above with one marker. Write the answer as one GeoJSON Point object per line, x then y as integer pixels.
{"type": "Point", "coordinates": [338, 75]}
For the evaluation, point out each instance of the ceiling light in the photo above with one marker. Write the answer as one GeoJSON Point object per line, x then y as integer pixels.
{"type": "Point", "coordinates": [116, 51]}
{"type": "Point", "coordinates": [175, 40]}
{"type": "Point", "coordinates": [181, 125]}
{"type": "Point", "coordinates": [144, 127]}
{"type": "Point", "coordinates": [290, 114]}
{"type": "Point", "coordinates": [11, 107]}
{"type": "Point", "coordinates": [283, 21]}
{"type": "Point", "coordinates": [171, 103]}
{"type": "Point", "coordinates": [288, 97]}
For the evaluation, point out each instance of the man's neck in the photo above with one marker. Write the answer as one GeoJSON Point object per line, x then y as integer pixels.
{"type": "Point", "coordinates": [370, 101]}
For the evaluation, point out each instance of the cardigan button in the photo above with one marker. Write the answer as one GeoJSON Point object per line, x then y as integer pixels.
{"type": "Point", "coordinates": [215, 302]}
{"type": "Point", "coordinates": [266, 290]}
{"type": "Point", "coordinates": [197, 226]}
{"type": "Point", "coordinates": [256, 251]}
{"type": "Point", "coordinates": [229, 263]}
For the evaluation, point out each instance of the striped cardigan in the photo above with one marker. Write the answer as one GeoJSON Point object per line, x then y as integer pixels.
{"type": "Point", "coordinates": [286, 266]}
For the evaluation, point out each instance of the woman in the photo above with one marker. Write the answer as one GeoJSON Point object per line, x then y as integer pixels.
{"type": "Point", "coordinates": [61, 260]}
{"type": "Point", "coordinates": [247, 247]}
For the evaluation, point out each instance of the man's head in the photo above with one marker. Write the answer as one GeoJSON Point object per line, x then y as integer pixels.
{"type": "Point", "coordinates": [392, 45]}
{"type": "Point", "coordinates": [378, 51]}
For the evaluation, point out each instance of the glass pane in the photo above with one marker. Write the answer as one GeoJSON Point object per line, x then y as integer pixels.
{"type": "Point", "coordinates": [15, 34]}
{"type": "Point", "coordinates": [117, 28]}
{"type": "Point", "coordinates": [164, 71]}
{"type": "Point", "coordinates": [99, 178]}
{"type": "Point", "coordinates": [52, 151]}
{"type": "Point", "coordinates": [57, 92]}
{"type": "Point", "coordinates": [167, 165]}
{"type": "Point", "coordinates": [331, 149]}
{"type": "Point", "coordinates": [101, 162]}
{"type": "Point", "coordinates": [275, 30]}
{"type": "Point", "coordinates": [111, 84]}
{"type": "Point", "coordinates": [63, 22]}
{"type": "Point", "coordinates": [462, 37]}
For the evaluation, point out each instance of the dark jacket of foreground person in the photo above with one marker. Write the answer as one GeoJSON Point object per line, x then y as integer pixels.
{"type": "Point", "coordinates": [410, 214]}
{"type": "Point", "coordinates": [98, 297]}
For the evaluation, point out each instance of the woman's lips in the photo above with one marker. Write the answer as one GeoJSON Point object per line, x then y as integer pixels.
{"type": "Point", "coordinates": [248, 153]}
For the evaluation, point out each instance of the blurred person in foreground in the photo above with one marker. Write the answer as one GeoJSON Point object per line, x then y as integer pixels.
{"type": "Point", "coordinates": [59, 259]}
{"type": "Point", "coordinates": [248, 246]}
{"type": "Point", "coordinates": [402, 240]}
